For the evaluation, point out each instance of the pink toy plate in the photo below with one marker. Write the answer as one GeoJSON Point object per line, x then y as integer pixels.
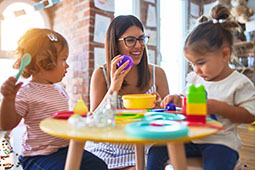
{"type": "Point", "coordinates": [63, 114]}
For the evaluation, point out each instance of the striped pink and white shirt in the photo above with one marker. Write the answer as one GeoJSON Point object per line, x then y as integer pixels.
{"type": "Point", "coordinates": [35, 102]}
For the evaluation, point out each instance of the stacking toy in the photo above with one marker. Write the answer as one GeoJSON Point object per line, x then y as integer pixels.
{"type": "Point", "coordinates": [184, 105]}
{"type": "Point", "coordinates": [125, 58]}
{"type": "Point", "coordinates": [196, 109]}
{"type": "Point", "coordinates": [80, 107]}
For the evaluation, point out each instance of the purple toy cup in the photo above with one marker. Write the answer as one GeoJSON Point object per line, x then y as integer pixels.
{"type": "Point", "coordinates": [125, 58]}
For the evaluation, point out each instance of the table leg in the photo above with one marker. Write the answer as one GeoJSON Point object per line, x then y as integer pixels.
{"type": "Point", "coordinates": [74, 154]}
{"type": "Point", "coordinates": [177, 155]}
{"type": "Point", "coordinates": [139, 156]}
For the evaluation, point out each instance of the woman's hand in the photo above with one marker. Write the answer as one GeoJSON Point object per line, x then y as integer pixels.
{"type": "Point", "coordinates": [176, 99]}
{"type": "Point", "coordinates": [118, 74]}
{"type": "Point", "coordinates": [158, 99]}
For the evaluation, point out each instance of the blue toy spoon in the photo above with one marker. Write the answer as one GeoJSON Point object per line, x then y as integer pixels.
{"type": "Point", "coordinates": [26, 59]}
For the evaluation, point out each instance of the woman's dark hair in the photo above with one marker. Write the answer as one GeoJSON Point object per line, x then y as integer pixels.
{"type": "Point", "coordinates": [116, 29]}
{"type": "Point", "coordinates": [44, 46]}
{"type": "Point", "coordinates": [210, 35]}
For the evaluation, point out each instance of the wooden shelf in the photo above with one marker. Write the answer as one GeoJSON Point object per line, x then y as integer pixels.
{"type": "Point", "coordinates": [244, 68]}
{"type": "Point", "coordinates": [202, 2]}
{"type": "Point", "coordinates": [246, 55]}
{"type": "Point", "coordinates": [244, 49]}
{"type": "Point", "coordinates": [244, 43]}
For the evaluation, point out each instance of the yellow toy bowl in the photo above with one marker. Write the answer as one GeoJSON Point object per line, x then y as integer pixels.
{"type": "Point", "coordinates": [139, 101]}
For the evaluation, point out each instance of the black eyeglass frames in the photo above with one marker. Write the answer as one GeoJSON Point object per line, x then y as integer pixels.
{"type": "Point", "coordinates": [131, 41]}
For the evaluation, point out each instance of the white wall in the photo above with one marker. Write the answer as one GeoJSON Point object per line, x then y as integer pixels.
{"type": "Point", "coordinates": [172, 14]}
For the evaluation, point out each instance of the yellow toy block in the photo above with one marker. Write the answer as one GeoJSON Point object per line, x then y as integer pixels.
{"type": "Point", "coordinates": [196, 109]}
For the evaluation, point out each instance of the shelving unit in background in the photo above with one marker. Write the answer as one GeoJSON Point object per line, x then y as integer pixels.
{"type": "Point", "coordinates": [244, 53]}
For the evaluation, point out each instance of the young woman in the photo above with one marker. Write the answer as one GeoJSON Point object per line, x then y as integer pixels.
{"type": "Point", "coordinates": [125, 35]}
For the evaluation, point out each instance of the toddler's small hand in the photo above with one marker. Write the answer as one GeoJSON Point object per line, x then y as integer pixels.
{"type": "Point", "coordinates": [212, 106]}
{"type": "Point", "coordinates": [9, 88]}
{"type": "Point", "coordinates": [176, 99]}
{"type": "Point", "coordinates": [158, 99]}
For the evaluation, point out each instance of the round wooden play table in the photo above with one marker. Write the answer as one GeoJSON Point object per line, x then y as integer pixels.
{"type": "Point", "coordinates": [78, 137]}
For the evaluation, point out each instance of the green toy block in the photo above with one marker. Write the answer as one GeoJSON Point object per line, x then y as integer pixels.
{"type": "Point", "coordinates": [196, 94]}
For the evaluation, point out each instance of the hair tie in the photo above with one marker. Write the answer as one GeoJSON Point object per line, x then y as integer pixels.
{"type": "Point", "coordinates": [215, 21]}
{"type": "Point", "coordinates": [221, 20]}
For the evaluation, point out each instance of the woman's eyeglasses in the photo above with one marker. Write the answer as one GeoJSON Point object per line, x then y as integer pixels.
{"type": "Point", "coordinates": [131, 41]}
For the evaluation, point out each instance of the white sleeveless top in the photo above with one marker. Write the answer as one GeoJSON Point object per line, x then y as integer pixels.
{"type": "Point", "coordinates": [117, 155]}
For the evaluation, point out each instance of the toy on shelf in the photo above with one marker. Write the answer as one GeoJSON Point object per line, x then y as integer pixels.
{"type": "Point", "coordinates": [196, 108]}
{"type": "Point", "coordinates": [240, 11]}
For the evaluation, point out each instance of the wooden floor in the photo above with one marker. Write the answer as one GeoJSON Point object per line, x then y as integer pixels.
{"type": "Point", "coordinates": [247, 152]}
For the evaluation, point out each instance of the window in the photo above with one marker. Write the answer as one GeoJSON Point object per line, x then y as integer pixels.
{"type": "Point", "coordinates": [17, 17]}
{"type": "Point", "coordinates": [172, 27]}
{"type": "Point", "coordinates": [9, 32]}
{"type": "Point", "coordinates": [123, 7]}
{"type": "Point", "coordinates": [12, 26]}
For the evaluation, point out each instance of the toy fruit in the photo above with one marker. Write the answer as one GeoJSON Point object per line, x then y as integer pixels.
{"type": "Point", "coordinates": [139, 101]}
{"type": "Point", "coordinates": [80, 107]}
{"type": "Point", "coordinates": [125, 58]}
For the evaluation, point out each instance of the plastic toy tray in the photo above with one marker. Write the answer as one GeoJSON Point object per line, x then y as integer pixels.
{"type": "Point", "coordinates": [157, 129]}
